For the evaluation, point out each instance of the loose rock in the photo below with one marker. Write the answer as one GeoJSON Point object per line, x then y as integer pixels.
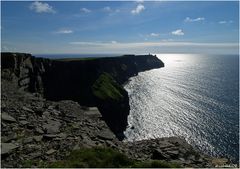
{"type": "Point", "coordinates": [35, 155]}
{"type": "Point", "coordinates": [173, 154]}
{"type": "Point", "coordinates": [27, 109]}
{"type": "Point", "coordinates": [8, 138]}
{"type": "Point", "coordinates": [50, 136]}
{"type": "Point", "coordinates": [52, 127]}
{"type": "Point", "coordinates": [107, 135]}
{"type": "Point", "coordinates": [7, 148]}
{"type": "Point", "coordinates": [8, 118]}
{"type": "Point", "coordinates": [38, 130]}
{"type": "Point", "coordinates": [51, 151]}
{"type": "Point", "coordinates": [27, 140]}
{"type": "Point", "coordinates": [159, 155]}
{"type": "Point", "coordinates": [37, 138]}
{"type": "Point", "coordinates": [23, 122]}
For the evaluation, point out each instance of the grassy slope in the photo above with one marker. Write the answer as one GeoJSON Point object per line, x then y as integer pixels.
{"type": "Point", "coordinates": [101, 158]}
{"type": "Point", "coordinates": [106, 87]}
{"type": "Point", "coordinates": [76, 59]}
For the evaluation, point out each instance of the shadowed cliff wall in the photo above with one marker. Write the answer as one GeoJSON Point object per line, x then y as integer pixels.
{"type": "Point", "coordinates": [91, 82]}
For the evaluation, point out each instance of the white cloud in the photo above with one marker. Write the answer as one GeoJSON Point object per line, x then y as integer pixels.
{"type": "Point", "coordinates": [41, 7]}
{"type": "Point", "coordinates": [113, 42]}
{"type": "Point", "coordinates": [64, 31]}
{"type": "Point", "coordinates": [107, 9]}
{"type": "Point", "coordinates": [163, 43]}
{"type": "Point", "coordinates": [139, 1]}
{"type": "Point", "coordinates": [222, 22]}
{"type": "Point", "coordinates": [5, 48]}
{"type": "Point", "coordinates": [129, 47]}
{"type": "Point", "coordinates": [155, 34]}
{"type": "Point", "coordinates": [225, 22]}
{"type": "Point", "coordinates": [178, 32]}
{"type": "Point", "coordinates": [85, 10]}
{"type": "Point", "coordinates": [138, 9]}
{"type": "Point", "coordinates": [86, 43]}
{"type": "Point", "coordinates": [110, 10]}
{"type": "Point", "coordinates": [167, 40]}
{"type": "Point", "coordinates": [188, 19]}
{"type": "Point", "coordinates": [8, 48]}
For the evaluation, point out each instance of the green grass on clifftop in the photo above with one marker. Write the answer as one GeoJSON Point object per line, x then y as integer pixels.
{"type": "Point", "coordinates": [101, 158]}
{"type": "Point", "coordinates": [76, 59]}
{"type": "Point", "coordinates": [92, 158]}
{"type": "Point", "coordinates": [106, 87]}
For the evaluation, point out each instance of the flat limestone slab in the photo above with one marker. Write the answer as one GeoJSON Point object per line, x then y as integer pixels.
{"type": "Point", "coordinates": [7, 117]}
{"type": "Point", "coordinates": [7, 148]}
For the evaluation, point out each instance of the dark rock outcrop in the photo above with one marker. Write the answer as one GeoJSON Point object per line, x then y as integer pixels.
{"type": "Point", "coordinates": [82, 80]}
{"type": "Point", "coordinates": [24, 70]}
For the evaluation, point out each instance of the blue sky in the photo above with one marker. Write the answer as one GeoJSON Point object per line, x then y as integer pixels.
{"type": "Point", "coordinates": [48, 27]}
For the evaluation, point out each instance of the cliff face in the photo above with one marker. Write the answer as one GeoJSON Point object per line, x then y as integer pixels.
{"type": "Point", "coordinates": [90, 82]}
{"type": "Point", "coordinates": [24, 70]}
{"type": "Point", "coordinates": [36, 132]}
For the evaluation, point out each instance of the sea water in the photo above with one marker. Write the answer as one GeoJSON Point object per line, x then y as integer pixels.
{"type": "Point", "coordinates": [193, 96]}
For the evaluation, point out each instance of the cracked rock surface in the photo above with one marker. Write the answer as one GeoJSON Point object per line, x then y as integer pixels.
{"type": "Point", "coordinates": [34, 128]}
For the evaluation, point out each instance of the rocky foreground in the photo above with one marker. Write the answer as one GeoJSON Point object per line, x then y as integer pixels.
{"type": "Point", "coordinates": [36, 128]}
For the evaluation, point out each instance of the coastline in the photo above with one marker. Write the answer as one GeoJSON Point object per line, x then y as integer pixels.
{"type": "Point", "coordinates": [32, 122]}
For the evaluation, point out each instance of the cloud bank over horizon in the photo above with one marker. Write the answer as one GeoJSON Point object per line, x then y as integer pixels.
{"type": "Point", "coordinates": [120, 27]}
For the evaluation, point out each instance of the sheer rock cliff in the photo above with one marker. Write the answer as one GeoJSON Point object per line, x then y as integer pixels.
{"type": "Point", "coordinates": [90, 81]}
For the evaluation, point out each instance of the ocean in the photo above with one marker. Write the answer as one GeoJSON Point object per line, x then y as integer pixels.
{"type": "Point", "coordinates": [193, 96]}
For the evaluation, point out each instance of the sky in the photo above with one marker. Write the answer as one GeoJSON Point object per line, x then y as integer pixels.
{"type": "Point", "coordinates": [126, 27]}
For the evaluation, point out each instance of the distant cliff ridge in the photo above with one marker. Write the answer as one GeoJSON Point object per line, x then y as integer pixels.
{"type": "Point", "coordinates": [89, 81]}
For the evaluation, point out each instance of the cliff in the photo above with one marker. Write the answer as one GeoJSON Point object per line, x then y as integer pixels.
{"type": "Point", "coordinates": [90, 82]}
{"type": "Point", "coordinates": [47, 121]}
{"type": "Point", "coordinates": [39, 133]}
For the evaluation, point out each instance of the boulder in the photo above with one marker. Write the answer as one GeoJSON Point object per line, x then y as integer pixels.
{"type": "Point", "coordinates": [50, 136]}
{"type": "Point", "coordinates": [9, 138]}
{"type": "Point", "coordinates": [173, 153]}
{"type": "Point", "coordinates": [62, 135]}
{"type": "Point", "coordinates": [34, 155]}
{"type": "Point", "coordinates": [27, 140]}
{"type": "Point", "coordinates": [37, 138]}
{"type": "Point", "coordinates": [39, 130]}
{"type": "Point", "coordinates": [23, 122]}
{"type": "Point", "coordinates": [39, 111]}
{"type": "Point", "coordinates": [7, 148]}
{"type": "Point", "coordinates": [52, 127]}
{"type": "Point", "coordinates": [159, 155]}
{"type": "Point", "coordinates": [165, 145]}
{"type": "Point", "coordinates": [22, 118]}
{"type": "Point", "coordinates": [87, 142]}
{"type": "Point", "coordinates": [106, 135]}
{"type": "Point", "coordinates": [27, 109]}
{"type": "Point", "coordinates": [8, 118]}
{"type": "Point", "coordinates": [51, 151]}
